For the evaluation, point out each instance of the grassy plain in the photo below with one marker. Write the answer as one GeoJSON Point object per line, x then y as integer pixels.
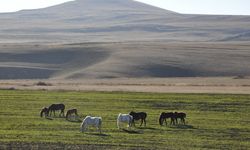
{"type": "Point", "coordinates": [214, 121]}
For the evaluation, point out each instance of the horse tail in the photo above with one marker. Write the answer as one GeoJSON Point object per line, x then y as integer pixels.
{"type": "Point", "coordinates": [41, 113]}
{"type": "Point", "coordinates": [67, 114]}
{"type": "Point", "coordinates": [118, 121]}
{"type": "Point", "coordinates": [100, 122]}
{"type": "Point", "coordinates": [184, 115]}
{"type": "Point", "coordinates": [76, 112]}
{"type": "Point", "coordinates": [81, 127]}
{"type": "Point", "coordinates": [131, 118]}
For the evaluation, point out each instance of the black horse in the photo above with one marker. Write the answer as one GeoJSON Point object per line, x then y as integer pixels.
{"type": "Point", "coordinates": [70, 112]}
{"type": "Point", "coordinates": [180, 116]}
{"type": "Point", "coordinates": [56, 107]}
{"type": "Point", "coordinates": [139, 116]}
{"type": "Point", "coordinates": [164, 116]}
{"type": "Point", "coordinates": [44, 111]}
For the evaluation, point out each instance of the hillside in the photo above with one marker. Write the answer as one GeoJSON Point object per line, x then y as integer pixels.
{"type": "Point", "coordinates": [120, 38]}
{"type": "Point", "coordinates": [117, 20]}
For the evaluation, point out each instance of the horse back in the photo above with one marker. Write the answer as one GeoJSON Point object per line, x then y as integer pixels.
{"type": "Point", "coordinates": [57, 107]}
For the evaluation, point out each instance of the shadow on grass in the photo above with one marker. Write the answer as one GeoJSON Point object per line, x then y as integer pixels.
{"type": "Point", "coordinates": [74, 121]}
{"type": "Point", "coordinates": [148, 128]}
{"type": "Point", "coordinates": [49, 118]}
{"type": "Point", "coordinates": [132, 131]}
{"type": "Point", "coordinates": [57, 117]}
{"type": "Point", "coordinates": [97, 134]}
{"type": "Point", "coordinates": [181, 126]}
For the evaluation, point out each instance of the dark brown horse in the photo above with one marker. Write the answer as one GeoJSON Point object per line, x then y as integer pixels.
{"type": "Point", "coordinates": [57, 107]}
{"type": "Point", "coordinates": [44, 111]}
{"type": "Point", "coordinates": [180, 116]}
{"type": "Point", "coordinates": [71, 112]}
{"type": "Point", "coordinates": [139, 116]}
{"type": "Point", "coordinates": [164, 116]}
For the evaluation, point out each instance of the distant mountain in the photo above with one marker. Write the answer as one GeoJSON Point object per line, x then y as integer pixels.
{"type": "Point", "coordinates": [116, 20]}
{"type": "Point", "coordinates": [120, 38]}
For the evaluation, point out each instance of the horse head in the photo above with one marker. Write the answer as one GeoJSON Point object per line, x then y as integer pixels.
{"type": "Point", "coordinates": [45, 110]}
{"type": "Point", "coordinates": [132, 113]}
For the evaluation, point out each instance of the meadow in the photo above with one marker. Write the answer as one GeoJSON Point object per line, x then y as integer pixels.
{"type": "Point", "coordinates": [214, 121]}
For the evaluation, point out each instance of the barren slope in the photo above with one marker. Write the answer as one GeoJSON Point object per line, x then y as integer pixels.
{"type": "Point", "coordinates": [117, 20]}
{"type": "Point", "coordinates": [120, 38]}
{"type": "Point", "coordinates": [114, 60]}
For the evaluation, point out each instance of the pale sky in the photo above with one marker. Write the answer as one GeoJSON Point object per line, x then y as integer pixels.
{"type": "Point", "coordinates": [226, 7]}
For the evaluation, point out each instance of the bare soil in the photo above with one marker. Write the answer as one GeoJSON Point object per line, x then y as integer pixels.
{"type": "Point", "coordinates": [230, 85]}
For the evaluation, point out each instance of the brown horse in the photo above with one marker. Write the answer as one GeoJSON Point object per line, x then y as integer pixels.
{"type": "Point", "coordinates": [44, 111]}
{"type": "Point", "coordinates": [139, 116]}
{"type": "Point", "coordinates": [164, 116]}
{"type": "Point", "coordinates": [71, 112]}
{"type": "Point", "coordinates": [180, 116]}
{"type": "Point", "coordinates": [56, 107]}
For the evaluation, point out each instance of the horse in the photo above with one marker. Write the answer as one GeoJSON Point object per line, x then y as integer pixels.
{"type": "Point", "coordinates": [181, 116]}
{"type": "Point", "coordinates": [56, 107]}
{"type": "Point", "coordinates": [165, 116]}
{"type": "Point", "coordinates": [91, 121]}
{"type": "Point", "coordinates": [44, 111]}
{"type": "Point", "coordinates": [124, 118]}
{"type": "Point", "coordinates": [139, 116]}
{"type": "Point", "coordinates": [71, 112]}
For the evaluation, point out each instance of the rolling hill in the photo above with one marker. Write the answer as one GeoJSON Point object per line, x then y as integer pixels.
{"type": "Point", "coordinates": [120, 38]}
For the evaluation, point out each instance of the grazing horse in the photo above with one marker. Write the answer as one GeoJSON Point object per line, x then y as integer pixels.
{"type": "Point", "coordinates": [71, 112]}
{"type": "Point", "coordinates": [91, 121]}
{"type": "Point", "coordinates": [44, 111]}
{"type": "Point", "coordinates": [56, 107]}
{"type": "Point", "coordinates": [165, 116]}
{"type": "Point", "coordinates": [181, 116]}
{"type": "Point", "coordinates": [139, 116]}
{"type": "Point", "coordinates": [124, 118]}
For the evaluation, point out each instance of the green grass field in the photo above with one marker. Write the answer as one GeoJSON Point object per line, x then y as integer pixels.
{"type": "Point", "coordinates": [213, 121]}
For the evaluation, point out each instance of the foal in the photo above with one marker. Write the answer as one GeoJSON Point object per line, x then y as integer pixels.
{"type": "Point", "coordinates": [44, 111]}
{"type": "Point", "coordinates": [71, 112]}
{"type": "Point", "coordinates": [181, 116]}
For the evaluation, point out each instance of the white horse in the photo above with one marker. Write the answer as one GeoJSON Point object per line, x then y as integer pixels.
{"type": "Point", "coordinates": [124, 118]}
{"type": "Point", "coordinates": [91, 121]}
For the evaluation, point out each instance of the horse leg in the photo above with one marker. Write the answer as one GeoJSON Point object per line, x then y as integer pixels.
{"type": "Point", "coordinates": [183, 121]}
{"type": "Point", "coordinates": [118, 124]}
{"type": "Point", "coordinates": [172, 121]}
{"type": "Point", "coordinates": [166, 121]}
{"type": "Point", "coordinates": [141, 122]}
{"type": "Point", "coordinates": [85, 127]}
{"type": "Point", "coordinates": [99, 129]}
{"type": "Point", "coordinates": [145, 122]}
{"type": "Point", "coordinates": [63, 112]}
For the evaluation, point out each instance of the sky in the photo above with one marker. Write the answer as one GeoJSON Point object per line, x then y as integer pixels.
{"type": "Point", "coordinates": [222, 7]}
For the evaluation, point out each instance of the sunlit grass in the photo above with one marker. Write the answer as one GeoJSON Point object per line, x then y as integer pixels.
{"type": "Point", "coordinates": [214, 121]}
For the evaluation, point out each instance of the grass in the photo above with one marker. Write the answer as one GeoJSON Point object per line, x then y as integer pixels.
{"type": "Point", "coordinates": [214, 121]}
